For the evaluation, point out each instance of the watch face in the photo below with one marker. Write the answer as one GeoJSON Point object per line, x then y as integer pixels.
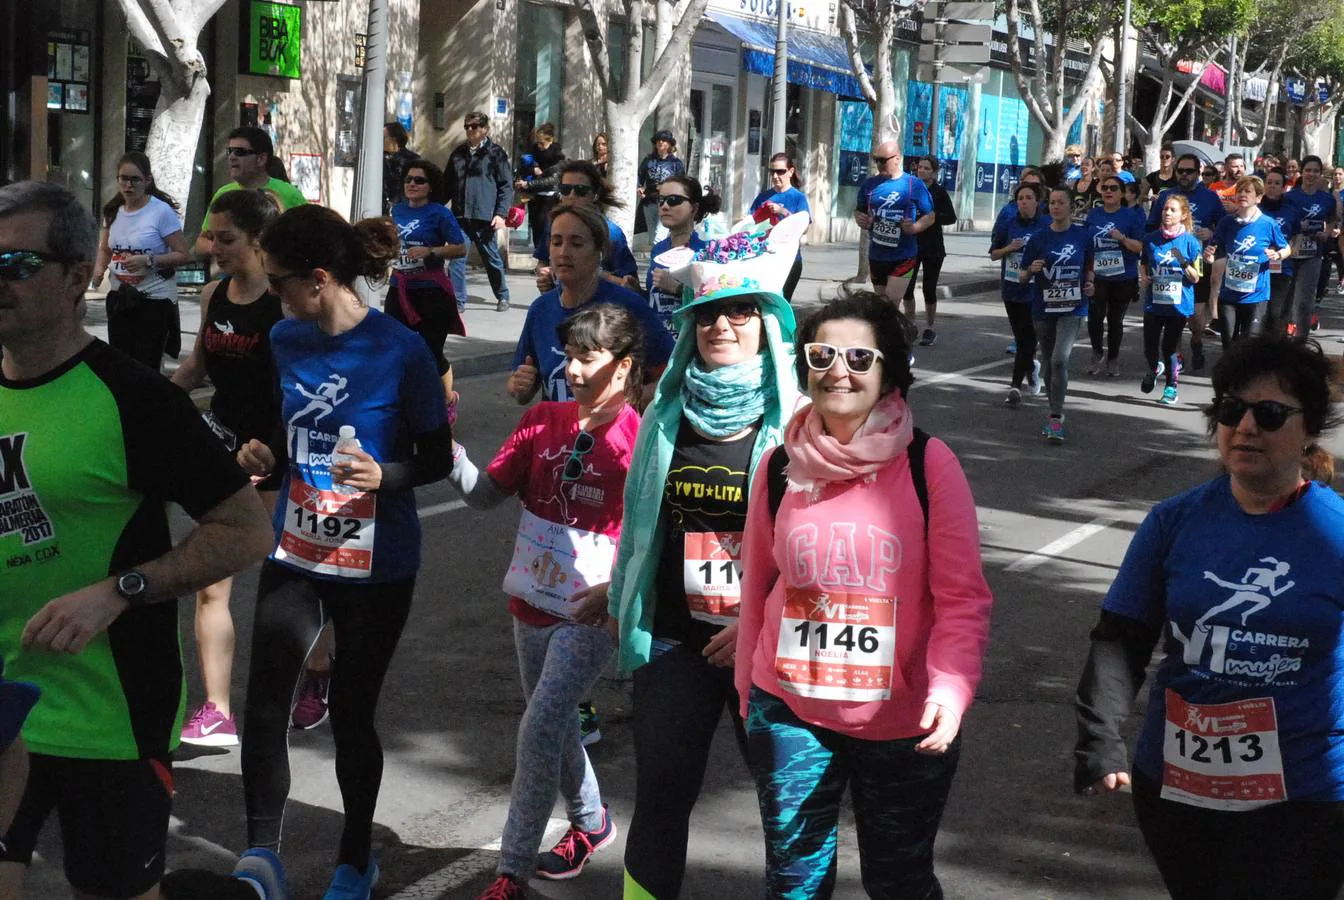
{"type": "Point", "coordinates": [130, 584]}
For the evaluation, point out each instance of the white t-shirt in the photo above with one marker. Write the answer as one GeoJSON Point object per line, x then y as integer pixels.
{"type": "Point", "coordinates": [144, 231]}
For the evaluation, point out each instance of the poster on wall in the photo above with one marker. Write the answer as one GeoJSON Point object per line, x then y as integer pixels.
{"type": "Point", "coordinates": [305, 173]}
{"type": "Point", "coordinates": [68, 54]}
{"type": "Point", "coordinates": [76, 98]}
{"type": "Point", "coordinates": [856, 126]}
{"type": "Point", "coordinates": [1002, 145]}
{"type": "Point", "coordinates": [952, 105]}
{"type": "Point", "coordinates": [918, 118]}
{"type": "Point", "coordinates": [349, 90]}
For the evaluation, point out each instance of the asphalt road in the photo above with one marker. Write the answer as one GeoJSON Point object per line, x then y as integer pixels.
{"type": "Point", "coordinates": [1055, 522]}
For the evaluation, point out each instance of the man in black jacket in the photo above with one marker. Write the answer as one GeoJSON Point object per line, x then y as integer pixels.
{"type": "Point", "coordinates": [396, 156]}
{"type": "Point", "coordinates": [480, 188]}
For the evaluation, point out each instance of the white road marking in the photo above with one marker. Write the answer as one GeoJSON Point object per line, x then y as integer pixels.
{"type": "Point", "coordinates": [922, 380]}
{"type": "Point", "coordinates": [442, 508]}
{"type": "Point", "coordinates": [440, 884]}
{"type": "Point", "coordinates": [1061, 544]}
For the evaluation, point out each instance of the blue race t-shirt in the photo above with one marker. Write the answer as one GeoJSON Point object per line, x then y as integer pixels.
{"type": "Point", "coordinates": [620, 261]}
{"type": "Point", "coordinates": [1058, 288]}
{"type": "Point", "coordinates": [1289, 218]}
{"type": "Point", "coordinates": [431, 225]}
{"type": "Point", "coordinates": [663, 304]}
{"type": "Point", "coordinates": [379, 378]}
{"type": "Point", "coordinates": [540, 341]}
{"type": "Point", "coordinates": [1110, 260]}
{"type": "Point", "coordinates": [1251, 608]}
{"type": "Point", "coordinates": [1206, 207]}
{"type": "Point", "coordinates": [1316, 210]}
{"type": "Point", "coordinates": [1243, 244]}
{"type": "Point", "coordinates": [891, 201]}
{"type": "Point", "coordinates": [1005, 232]}
{"type": "Point", "coordinates": [1170, 293]}
{"type": "Point", "coordinates": [792, 199]}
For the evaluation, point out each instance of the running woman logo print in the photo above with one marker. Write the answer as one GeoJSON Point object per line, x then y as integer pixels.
{"type": "Point", "coordinates": [1244, 245]}
{"type": "Point", "coordinates": [329, 395]}
{"type": "Point", "coordinates": [21, 511]}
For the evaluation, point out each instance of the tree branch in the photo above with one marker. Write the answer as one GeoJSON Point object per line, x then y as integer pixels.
{"type": "Point", "coordinates": [595, 35]}
{"type": "Point", "coordinates": [650, 90]}
{"type": "Point", "coordinates": [851, 34]}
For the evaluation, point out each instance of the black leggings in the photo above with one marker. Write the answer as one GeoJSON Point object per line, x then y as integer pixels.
{"type": "Point", "coordinates": [1162, 334]}
{"type": "Point", "coordinates": [1106, 314]}
{"type": "Point", "coordinates": [367, 620]}
{"type": "Point", "coordinates": [1024, 333]}
{"type": "Point", "coordinates": [933, 267]}
{"type": "Point", "coordinates": [438, 314]}
{"type": "Point", "coordinates": [791, 282]}
{"type": "Point", "coordinates": [1241, 320]}
{"type": "Point", "coordinates": [141, 332]}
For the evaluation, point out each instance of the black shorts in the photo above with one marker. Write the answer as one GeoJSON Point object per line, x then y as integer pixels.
{"type": "Point", "coordinates": [113, 815]}
{"type": "Point", "coordinates": [1202, 288]}
{"type": "Point", "coordinates": [881, 269]}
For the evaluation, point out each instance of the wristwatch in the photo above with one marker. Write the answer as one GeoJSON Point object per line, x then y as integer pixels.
{"type": "Point", "coordinates": [133, 588]}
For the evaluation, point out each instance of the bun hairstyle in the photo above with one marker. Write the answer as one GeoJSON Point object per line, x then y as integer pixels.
{"type": "Point", "coordinates": [706, 203]}
{"type": "Point", "coordinates": [313, 237]}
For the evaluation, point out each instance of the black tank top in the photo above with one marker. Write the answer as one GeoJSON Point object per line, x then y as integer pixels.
{"type": "Point", "coordinates": [237, 342]}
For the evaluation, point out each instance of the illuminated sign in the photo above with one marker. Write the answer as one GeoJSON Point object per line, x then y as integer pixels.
{"type": "Point", "coordinates": [274, 39]}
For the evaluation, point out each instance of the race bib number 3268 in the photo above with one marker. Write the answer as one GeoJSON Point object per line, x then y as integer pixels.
{"type": "Point", "coordinates": [836, 646]}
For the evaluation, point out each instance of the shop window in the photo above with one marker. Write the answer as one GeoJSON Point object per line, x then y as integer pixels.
{"type": "Point", "coordinates": [541, 71]}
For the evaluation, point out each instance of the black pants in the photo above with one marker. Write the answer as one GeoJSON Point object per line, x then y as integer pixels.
{"type": "Point", "coordinates": [367, 620]}
{"type": "Point", "coordinates": [1288, 851]}
{"type": "Point", "coordinates": [1106, 314]}
{"type": "Point", "coordinates": [1024, 333]}
{"type": "Point", "coordinates": [539, 220]}
{"type": "Point", "coordinates": [1241, 320]}
{"type": "Point", "coordinates": [1162, 334]}
{"type": "Point", "coordinates": [792, 281]}
{"type": "Point", "coordinates": [933, 267]}
{"type": "Point", "coordinates": [438, 314]}
{"type": "Point", "coordinates": [679, 700]}
{"type": "Point", "coordinates": [141, 331]}
{"type": "Point", "coordinates": [1280, 311]}
{"type": "Point", "coordinates": [1329, 254]}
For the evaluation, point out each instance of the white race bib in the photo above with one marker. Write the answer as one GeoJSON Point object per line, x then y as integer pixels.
{"type": "Point", "coordinates": [887, 231]}
{"type": "Point", "coordinates": [407, 263]}
{"type": "Point", "coordinates": [328, 533]}
{"type": "Point", "coordinates": [1109, 263]}
{"type": "Point", "coordinates": [1222, 756]}
{"type": "Point", "coordinates": [1012, 267]}
{"type": "Point", "coordinates": [835, 646]}
{"type": "Point", "coordinates": [1062, 298]}
{"type": "Point", "coordinates": [1242, 273]}
{"type": "Point", "coordinates": [1167, 288]}
{"type": "Point", "coordinates": [552, 562]}
{"type": "Point", "coordinates": [712, 575]}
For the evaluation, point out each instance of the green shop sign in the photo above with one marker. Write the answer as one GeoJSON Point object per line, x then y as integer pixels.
{"type": "Point", "coordinates": [274, 39]}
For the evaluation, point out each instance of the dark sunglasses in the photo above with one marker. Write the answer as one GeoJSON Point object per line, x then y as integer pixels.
{"type": "Point", "coordinates": [1270, 415]}
{"type": "Point", "coordinates": [881, 160]}
{"type": "Point", "coordinates": [130, 179]}
{"type": "Point", "coordinates": [416, 179]}
{"type": "Point", "coordinates": [583, 445]}
{"type": "Point", "coordinates": [277, 282]}
{"type": "Point", "coordinates": [673, 200]}
{"type": "Point", "coordinates": [1110, 187]}
{"type": "Point", "coordinates": [737, 312]}
{"type": "Point", "coordinates": [779, 171]}
{"type": "Point", "coordinates": [20, 265]}
{"type": "Point", "coordinates": [241, 151]}
{"type": "Point", "coordinates": [858, 360]}
{"type": "Point", "coordinates": [1187, 171]}
{"type": "Point", "coordinates": [470, 126]}
{"type": "Point", "coordinates": [583, 190]}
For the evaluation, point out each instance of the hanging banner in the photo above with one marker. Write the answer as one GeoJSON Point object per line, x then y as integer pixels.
{"type": "Point", "coordinates": [918, 118]}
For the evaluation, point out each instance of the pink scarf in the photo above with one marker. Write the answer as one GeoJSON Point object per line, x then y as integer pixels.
{"type": "Point", "coordinates": [817, 459]}
{"type": "Point", "coordinates": [1175, 232]}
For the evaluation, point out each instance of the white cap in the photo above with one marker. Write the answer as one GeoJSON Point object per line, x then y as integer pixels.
{"type": "Point", "coordinates": [347, 431]}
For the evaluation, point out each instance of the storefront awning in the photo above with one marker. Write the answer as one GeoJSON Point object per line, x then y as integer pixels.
{"type": "Point", "coordinates": [816, 60]}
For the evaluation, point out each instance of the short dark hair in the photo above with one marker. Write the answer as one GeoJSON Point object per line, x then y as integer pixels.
{"type": "Point", "coordinates": [1312, 158]}
{"type": "Point", "coordinates": [256, 138]}
{"type": "Point", "coordinates": [606, 326]}
{"type": "Point", "coordinates": [1232, 156]}
{"type": "Point", "coordinates": [432, 172]}
{"type": "Point", "coordinates": [1190, 156]}
{"type": "Point", "coordinates": [250, 211]}
{"type": "Point", "coordinates": [476, 118]}
{"type": "Point", "coordinates": [397, 132]}
{"type": "Point", "coordinates": [1300, 367]}
{"type": "Point", "coordinates": [1031, 186]}
{"type": "Point", "coordinates": [892, 329]}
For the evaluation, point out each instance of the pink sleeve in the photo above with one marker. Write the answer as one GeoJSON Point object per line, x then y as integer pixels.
{"type": "Point", "coordinates": [759, 574]}
{"type": "Point", "coordinates": [510, 466]}
{"type": "Point", "coordinates": [961, 597]}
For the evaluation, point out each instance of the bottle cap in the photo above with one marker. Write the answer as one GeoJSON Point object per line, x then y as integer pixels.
{"type": "Point", "coordinates": [347, 431]}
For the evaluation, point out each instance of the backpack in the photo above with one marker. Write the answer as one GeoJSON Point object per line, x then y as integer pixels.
{"type": "Point", "coordinates": [776, 480]}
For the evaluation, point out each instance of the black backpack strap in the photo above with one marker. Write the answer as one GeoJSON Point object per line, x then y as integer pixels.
{"type": "Point", "coordinates": [775, 479]}
{"type": "Point", "coordinates": [918, 444]}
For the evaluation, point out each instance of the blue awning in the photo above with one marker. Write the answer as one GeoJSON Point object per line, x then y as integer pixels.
{"type": "Point", "coordinates": [816, 60]}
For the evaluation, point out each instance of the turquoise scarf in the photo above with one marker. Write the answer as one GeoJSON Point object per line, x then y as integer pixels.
{"type": "Point", "coordinates": [724, 401]}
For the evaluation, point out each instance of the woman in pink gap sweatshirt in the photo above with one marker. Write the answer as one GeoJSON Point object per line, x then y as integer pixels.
{"type": "Point", "coordinates": [863, 619]}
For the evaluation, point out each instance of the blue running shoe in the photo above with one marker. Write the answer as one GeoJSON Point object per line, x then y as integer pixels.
{"type": "Point", "coordinates": [1054, 429]}
{"type": "Point", "coordinates": [1168, 397]}
{"type": "Point", "coordinates": [349, 884]}
{"type": "Point", "coordinates": [263, 869]}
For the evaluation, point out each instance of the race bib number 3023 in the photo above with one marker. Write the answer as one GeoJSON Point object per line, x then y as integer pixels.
{"type": "Point", "coordinates": [1222, 756]}
{"type": "Point", "coordinates": [836, 646]}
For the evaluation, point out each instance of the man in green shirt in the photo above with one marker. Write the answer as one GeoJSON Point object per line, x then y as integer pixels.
{"type": "Point", "coordinates": [93, 446]}
{"type": "Point", "coordinates": [250, 151]}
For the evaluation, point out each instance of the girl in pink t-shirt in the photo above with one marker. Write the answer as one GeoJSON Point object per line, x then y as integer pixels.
{"type": "Point", "coordinates": [567, 462]}
{"type": "Point", "coordinates": [864, 615]}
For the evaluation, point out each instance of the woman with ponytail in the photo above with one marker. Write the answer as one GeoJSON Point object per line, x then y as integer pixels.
{"type": "Point", "coordinates": [1242, 742]}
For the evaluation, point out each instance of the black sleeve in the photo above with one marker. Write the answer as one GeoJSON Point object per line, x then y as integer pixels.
{"type": "Point", "coordinates": [1112, 676]}
{"type": "Point", "coordinates": [503, 184]}
{"type": "Point", "coordinates": [431, 460]}
{"type": "Point", "coordinates": [942, 208]}
{"type": "Point", "coordinates": [450, 184]}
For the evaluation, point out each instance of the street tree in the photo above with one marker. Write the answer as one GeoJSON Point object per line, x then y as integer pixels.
{"type": "Point", "coordinates": [673, 25]}
{"type": "Point", "coordinates": [169, 30]}
{"type": "Point", "coordinates": [1318, 57]}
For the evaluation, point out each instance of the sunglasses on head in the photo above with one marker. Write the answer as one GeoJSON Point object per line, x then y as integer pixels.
{"type": "Point", "coordinates": [1270, 415]}
{"type": "Point", "coordinates": [416, 179]}
{"type": "Point", "coordinates": [857, 360]}
{"type": "Point", "coordinates": [671, 199]}
{"type": "Point", "coordinates": [241, 151]}
{"type": "Point", "coordinates": [583, 190]}
{"type": "Point", "coordinates": [737, 312]}
{"type": "Point", "coordinates": [583, 445]}
{"type": "Point", "coordinates": [20, 265]}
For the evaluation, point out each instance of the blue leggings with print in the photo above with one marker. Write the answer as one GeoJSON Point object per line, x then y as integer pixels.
{"type": "Point", "coordinates": [801, 773]}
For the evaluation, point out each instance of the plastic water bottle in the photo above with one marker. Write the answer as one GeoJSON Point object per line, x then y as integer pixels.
{"type": "Point", "coordinates": [340, 455]}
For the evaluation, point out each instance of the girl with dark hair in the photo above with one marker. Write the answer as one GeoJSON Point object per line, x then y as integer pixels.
{"type": "Point", "coordinates": [421, 294]}
{"type": "Point", "coordinates": [567, 462]}
{"type": "Point", "coordinates": [783, 197]}
{"type": "Point", "coordinates": [932, 250]}
{"type": "Point", "coordinates": [1238, 769]}
{"type": "Point", "coordinates": [1006, 243]}
{"type": "Point", "coordinates": [233, 350]}
{"type": "Point", "coordinates": [682, 204]}
{"type": "Point", "coordinates": [877, 706]}
{"type": "Point", "coordinates": [141, 243]}
{"type": "Point", "coordinates": [364, 424]}
{"type": "Point", "coordinates": [578, 181]}
{"type": "Point", "coordinates": [1170, 266]}
{"type": "Point", "coordinates": [600, 152]}
{"type": "Point", "coordinates": [1117, 237]}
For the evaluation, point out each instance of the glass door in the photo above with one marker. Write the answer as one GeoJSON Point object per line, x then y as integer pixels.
{"type": "Point", "coordinates": [709, 153]}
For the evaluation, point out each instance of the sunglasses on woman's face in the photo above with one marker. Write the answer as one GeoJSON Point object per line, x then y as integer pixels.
{"type": "Point", "coordinates": [583, 445]}
{"type": "Point", "coordinates": [737, 312]}
{"type": "Point", "coordinates": [673, 200]}
{"type": "Point", "coordinates": [1269, 415]}
{"type": "Point", "coordinates": [416, 179]}
{"type": "Point", "coordinates": [583, 190]}
{"type": "Point", "coordinates": [779, 171]}
{"type": "Point", "coordinates": [858, 360]}
{"type": "Point", "coordinates": [20, 265]}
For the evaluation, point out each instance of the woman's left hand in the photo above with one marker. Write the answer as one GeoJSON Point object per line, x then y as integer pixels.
{"type": "Point", "coordinates": [419, 252]}
{"type": "Point", "coordinates": [722, 647]}
{"type": "Point", "coordinates": [1089, 288]}
{"type": "Point", "coordinates": [592, 609]}
{"type": "Point", "coordinates": [364, 473]}
{"type": "Point", "coordinates": [945, 725]}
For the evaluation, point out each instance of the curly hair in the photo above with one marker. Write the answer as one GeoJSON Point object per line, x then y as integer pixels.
{"type": "Point", "coordinates": [892, 330]}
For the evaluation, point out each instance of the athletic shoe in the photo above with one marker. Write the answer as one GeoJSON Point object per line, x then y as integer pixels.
{"type": "Point", "coordinates": [208, 727]}
{"type": "Point", "coordinates": [566, 859]}
{"type": "Point", "coordinates": [263, 870]}
{"type": "Point", "coordinates": [502, 305]}
{"type": "Point", "coordinates": [1339, 288]}
{"type": "Point", "coordinates": [1034, 379]}
{"type": "Point", "coordinates": [1014, 398]}
{"type": "Point", "coordinates": [1168, 396]}
{"type": "Point", "coordinates": [1097, 365]}
{"type": "Point", "coordinates": [504, 888]}
{"type": "Point", "coordinates": [1054, 429]}
{"type": "Point", "coordinates": [1196, 357]}
{"type": "Point", "coordinates": [349, 884]}
{"type": "Point", "coordinates": [911, 360]}
{"type": "Point", "coordinates": [1012, 348]}
{"type": "Point", "coordinates": [1113, 368]}
{"type": "Point", "coordinates": [310, 710]}
{"type": "Point", "coordinates": [927, 339]}
{"type": "Point", "coordinates": [1150, 380]}
{"type": "Point", "coordinates": [590, 730]}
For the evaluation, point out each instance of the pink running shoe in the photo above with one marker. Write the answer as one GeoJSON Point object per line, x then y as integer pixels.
{"type": "Point", "coordinates": [208, 727]}
{"type": "Point", "coordinates": [310, 710]}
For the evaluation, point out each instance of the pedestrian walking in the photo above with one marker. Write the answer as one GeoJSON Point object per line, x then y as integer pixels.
{"type": "Point", "coordinates": [480, 188]}
{"type": "Point", "coordinates": [535, 177]}
{"type": "Point", "coordinates": [654, 169]}
{"type": "Point", "coordinates": [396, 156]}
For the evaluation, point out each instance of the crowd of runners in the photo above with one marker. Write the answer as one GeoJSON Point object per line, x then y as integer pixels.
{"type": "Point", "coordinates": [734, 506]}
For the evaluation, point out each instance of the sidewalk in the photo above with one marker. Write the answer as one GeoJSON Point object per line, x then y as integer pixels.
{"type": "Point", "coordinates": [491, 336]}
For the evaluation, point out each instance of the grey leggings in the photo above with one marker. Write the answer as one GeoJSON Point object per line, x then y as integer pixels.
{"type": "Point", "coordinates": [559, 665]}
{"type": "Point", "coordinates": [1057, 334]}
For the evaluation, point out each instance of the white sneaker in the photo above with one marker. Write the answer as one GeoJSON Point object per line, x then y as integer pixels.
{"type": "Point", "coordinates": [1034, 379]}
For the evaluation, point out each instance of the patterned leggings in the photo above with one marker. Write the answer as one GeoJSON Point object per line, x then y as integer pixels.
{"type": "Point", "coordinates": [801, 773]}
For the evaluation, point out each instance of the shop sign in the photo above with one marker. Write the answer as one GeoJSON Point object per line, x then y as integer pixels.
{"type": "Point", "coordinates": [274, 39]}
{"type": "Point", "coordinates": [815, 15]}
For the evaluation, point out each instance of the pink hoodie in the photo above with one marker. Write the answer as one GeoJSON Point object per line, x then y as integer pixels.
{"type": "Point", "coordinates": [869, 537]}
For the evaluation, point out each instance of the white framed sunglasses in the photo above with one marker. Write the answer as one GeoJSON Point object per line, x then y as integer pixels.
{"type": "Point", "coordinates": [857, 360]}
